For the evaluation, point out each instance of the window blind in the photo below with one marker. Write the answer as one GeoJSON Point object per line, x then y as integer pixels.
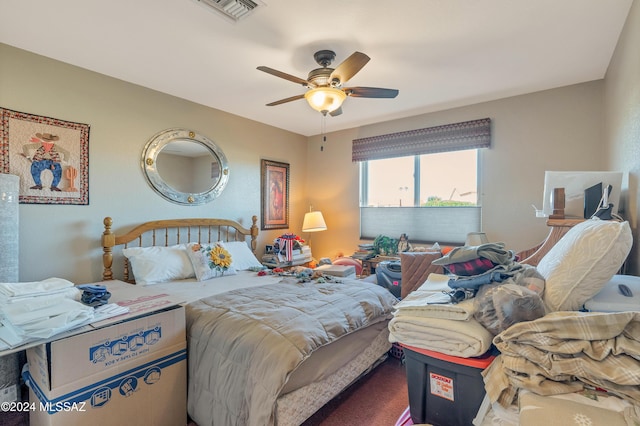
{"type": "Point", "coordinates": [423, 224]}
{"type": "Point", "coordinates": [450, 137]}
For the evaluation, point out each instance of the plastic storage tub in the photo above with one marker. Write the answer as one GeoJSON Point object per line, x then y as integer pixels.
{"type": "Point", "coordinates": [444, 390]}
{"type": "Point", "coordinates": [389, 276]}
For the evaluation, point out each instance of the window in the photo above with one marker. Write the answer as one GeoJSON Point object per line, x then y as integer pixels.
{"type": "Point", "coordinates": [430, 180]}
{"type": "Point", "coordinates": [423, 183]}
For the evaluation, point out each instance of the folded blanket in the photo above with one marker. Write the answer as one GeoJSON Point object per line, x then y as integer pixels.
{"type": "Point", "coordinates": [429, 301]}
{"type": "Point", "coordinates": [458, 338]}
{"type": "Point", "coordinates": [430, 307]}
{"type": "Point", "coordinates": [562, 351]}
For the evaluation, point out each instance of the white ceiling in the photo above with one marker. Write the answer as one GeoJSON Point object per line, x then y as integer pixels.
{"type": "Point", "coordinates": [438, 53]}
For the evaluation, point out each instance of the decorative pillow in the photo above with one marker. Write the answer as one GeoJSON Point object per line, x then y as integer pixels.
{"type": "Point", "coordinates": [210, 261]}
{"type": "Point", "coordinates": [583, 261]}
{"type": "Point", "coordinates": [153, 265]}
{"type": "Point", "coordinates": [243, 257]}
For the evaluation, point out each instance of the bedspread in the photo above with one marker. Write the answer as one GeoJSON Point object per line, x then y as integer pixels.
{"type": "Point", "coordinates": [243, 344]}
{"type": "Point", "coordinates": [562, 351]}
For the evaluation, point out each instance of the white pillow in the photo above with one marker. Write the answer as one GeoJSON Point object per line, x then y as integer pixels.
{"type": "Point", "coordinates": [583, 261]}
{"type": "Point", "coordinates": [243, 257]}
{"type": "Point", "coordinates": [153, 265]}
{"type": "Point", "coordinates": [210, 260]}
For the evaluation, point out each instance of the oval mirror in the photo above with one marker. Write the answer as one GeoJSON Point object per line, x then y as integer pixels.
{"type": "Point", "coordinates": [185, 167]}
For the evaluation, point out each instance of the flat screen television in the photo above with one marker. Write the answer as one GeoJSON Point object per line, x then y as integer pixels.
{"type": "Point", "coordinates": [575, 184]}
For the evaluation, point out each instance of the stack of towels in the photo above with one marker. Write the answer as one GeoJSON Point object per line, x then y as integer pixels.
{"type": "Point", "coordinates": [428, 319]}
{"type": "Point", "coordinates": [31, 311]}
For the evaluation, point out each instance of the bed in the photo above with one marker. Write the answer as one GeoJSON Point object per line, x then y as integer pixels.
{"type": "Point", "coordinates": [262, 350]}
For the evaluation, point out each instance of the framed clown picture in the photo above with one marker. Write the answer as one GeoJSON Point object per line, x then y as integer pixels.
{"type": "Point", "coordinates": [50, 156]}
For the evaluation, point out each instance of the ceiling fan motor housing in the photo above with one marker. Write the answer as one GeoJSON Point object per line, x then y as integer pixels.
{"type": "Point", "coordinates": [320, 76]}
{"type": "Point", "coordinates": [324, 58]}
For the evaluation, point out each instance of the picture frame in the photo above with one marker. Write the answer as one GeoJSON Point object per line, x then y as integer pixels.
{"type": "Point", "coordinates": [274, 183]}
{"type": "Point", "coordinates": [49, 155]}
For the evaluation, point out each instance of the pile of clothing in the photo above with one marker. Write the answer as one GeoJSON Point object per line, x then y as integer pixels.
{"type": "Point", "coordinates": [485, 291]}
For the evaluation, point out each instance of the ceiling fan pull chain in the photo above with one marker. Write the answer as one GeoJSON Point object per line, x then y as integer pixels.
{"type": "Point", "coordinates": [323, 130]}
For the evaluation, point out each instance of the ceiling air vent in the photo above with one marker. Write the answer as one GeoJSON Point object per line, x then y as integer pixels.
{"type": "Point", "coordinates": [233, 9]}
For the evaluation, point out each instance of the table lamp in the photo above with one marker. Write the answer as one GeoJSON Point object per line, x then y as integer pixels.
{"type": "Point", "coordinates": [313, 222]}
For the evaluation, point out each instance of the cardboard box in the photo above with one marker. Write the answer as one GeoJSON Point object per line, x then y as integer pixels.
{"type": "Point", "coordinates": [343, 271]}
{"type": "Point", "coordinates": [131, 372]}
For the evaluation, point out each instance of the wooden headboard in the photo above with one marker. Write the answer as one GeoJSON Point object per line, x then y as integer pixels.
{"type": "Point", "coordinates": [169, 232]}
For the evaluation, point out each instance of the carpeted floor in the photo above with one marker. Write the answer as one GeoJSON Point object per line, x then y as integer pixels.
{"type": "Point", "coordinates": [376, 400]}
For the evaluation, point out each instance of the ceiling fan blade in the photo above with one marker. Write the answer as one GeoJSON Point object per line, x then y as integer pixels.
{"type": "Point", "coordinates": [370, 92]}
{"type": "Point", "coordinates": [285, 76]}
{"type": "Point", "coordinates": [336, 112]}
{"type": "Point", "coordinates": [349, 67]}
{"type": "Point", "coordinates": [282, 101]}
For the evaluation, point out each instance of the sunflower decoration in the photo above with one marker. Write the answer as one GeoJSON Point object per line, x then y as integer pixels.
{"type": "Point", "coordinates": [219, 258]}
{"type": "Point", "coordinates": [210, 260]}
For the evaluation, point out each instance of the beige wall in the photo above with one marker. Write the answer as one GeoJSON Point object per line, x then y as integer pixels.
{"type": "Point", "coordinates": [558, 129]}
{"type": "Point", "coordinates": [64, 241]}
{"type": "Point", "coordinates": [622, 121]}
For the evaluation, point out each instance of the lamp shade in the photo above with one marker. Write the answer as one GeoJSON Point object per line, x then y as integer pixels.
{"type": "Point", "coordinates": [313, 222]}
{"type": "Point", "coordinates": [325, 99]}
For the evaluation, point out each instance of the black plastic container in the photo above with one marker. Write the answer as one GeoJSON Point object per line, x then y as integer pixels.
{"type": "Point", "coordinates": [444, 390]}
{"type": "Point", "coordinates": [389, 276]}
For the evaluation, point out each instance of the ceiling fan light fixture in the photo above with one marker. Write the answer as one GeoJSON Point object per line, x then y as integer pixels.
{"type": "Point", "coordinates": [325, 99]}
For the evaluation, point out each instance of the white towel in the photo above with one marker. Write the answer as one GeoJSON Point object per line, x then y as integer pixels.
{"type": "Point", "coordinates": [42, 317]}
{"type": "Point", "coordinates": [72, 293]}
{"type": "Point", "coordinates": [34, 288]}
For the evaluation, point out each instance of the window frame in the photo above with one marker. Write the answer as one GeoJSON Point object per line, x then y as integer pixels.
{"type": "Point", "coordinates": [450, 224]}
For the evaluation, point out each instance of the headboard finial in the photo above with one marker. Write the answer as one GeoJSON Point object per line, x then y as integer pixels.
{"type": "Point", "coordinates": [108, 241]}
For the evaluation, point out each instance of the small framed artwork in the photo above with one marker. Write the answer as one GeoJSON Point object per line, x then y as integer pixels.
{"type": "Point", "coordinates": [275, 195]}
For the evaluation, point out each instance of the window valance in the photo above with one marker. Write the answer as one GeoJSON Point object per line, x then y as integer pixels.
{"type": "Point", "coordinates": [449, 137]}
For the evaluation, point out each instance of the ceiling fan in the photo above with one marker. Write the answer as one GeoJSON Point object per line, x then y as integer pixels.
{"type": "Point", "coordinates": [326, 92]}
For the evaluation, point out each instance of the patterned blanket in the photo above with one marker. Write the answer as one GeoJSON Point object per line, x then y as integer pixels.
{"type": "Point", "coordinates": [563, 351]}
